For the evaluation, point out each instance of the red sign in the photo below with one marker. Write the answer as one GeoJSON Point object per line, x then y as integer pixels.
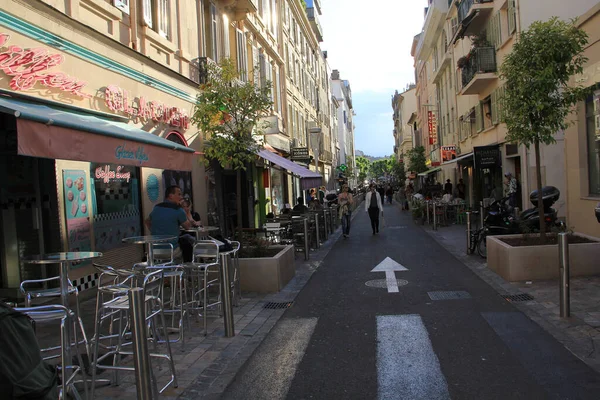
{"type": "Point", "coordinates": [106, 175]}
{"type": "Point", "coordinates": [448, 153]}
{"type": "Point", "coordinates": [139, 109]}
{"type": "Point", "coordinates": [29, 66]}
{"type": "Point", "coordinates": [432, 124]}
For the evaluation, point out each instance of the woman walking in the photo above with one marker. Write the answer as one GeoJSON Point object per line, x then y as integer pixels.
{"type": "Point", "coordinates": [373, 206]}
{"type": "Point", "coordinates": [345, 200]}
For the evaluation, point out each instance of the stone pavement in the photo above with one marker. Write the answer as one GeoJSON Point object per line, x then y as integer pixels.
{"type": "Point", "coordinates": [580, 333]}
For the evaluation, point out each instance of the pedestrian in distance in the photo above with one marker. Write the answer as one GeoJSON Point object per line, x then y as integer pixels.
{"type": "Point", "coordinates": [345, 201]}
{"type": "Point", "coordinates": [448, 187]}
{"type": "Point", "coordinates": [462, 189]}
{"type": "Point", "coordinates": [389, 194]}
{"type": "Point", "coordinates": [374, 206]}
{"type": "Point", "coordinates": [511, 191]}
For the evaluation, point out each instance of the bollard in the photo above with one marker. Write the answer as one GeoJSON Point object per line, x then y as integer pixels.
{"type": "Point", "coordinates": [434, 221]}
{"type": "Point", "coordinates": [226, 294]}
{"type": "Point", "coordinates": [468, 232]}
{"type": "Point", "coordinates": [481, 214]}
{"type": "Point", "coordinates": [318, 240]}
{"type": "Point", "coordinates": [306, 244]}
{"type": "Point", "coordinates": [325, 225]}
{"type": "Point", "coordinates": [144, 378]}
{"type": "Point", "coordinates": [427, 207]}
{"type": "Point", "coordinates": [563, 262]}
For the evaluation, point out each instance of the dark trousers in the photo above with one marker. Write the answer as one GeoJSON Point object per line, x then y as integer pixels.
{"type": "Point", "coordinates": [374, 215]}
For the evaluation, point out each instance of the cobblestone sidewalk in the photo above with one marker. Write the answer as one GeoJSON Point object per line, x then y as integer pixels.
{"type": "Point", "coordinates": [580, 333]}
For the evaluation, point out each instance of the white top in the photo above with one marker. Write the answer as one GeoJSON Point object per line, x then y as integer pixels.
{"type": "Point", "coordinates": [368, 201]}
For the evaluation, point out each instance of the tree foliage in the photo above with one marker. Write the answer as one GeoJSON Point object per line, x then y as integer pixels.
{"type": "Point", "coordinates": [538, 97]}
{"type": "Point", "coordinates": [379, 168]}
{"type": "Point", "coordinates": [229, 112]}
{"type": "Point", "coordinates": [398, 171]}
{"type": "Point", "coordinates": [363, 165]}
{"type": "Point", "coordinates": [417, 160]}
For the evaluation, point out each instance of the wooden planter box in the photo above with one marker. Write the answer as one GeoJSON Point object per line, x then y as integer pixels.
{"type": "Point", "coordinates": [268, 274]}
{"type": "Point", "coordinates": [540, 262]}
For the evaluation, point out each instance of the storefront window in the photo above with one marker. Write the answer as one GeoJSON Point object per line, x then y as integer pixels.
{"type": "Point", "coordinates": [116, 204]}
{"type": "Point", "coordinates": [277, 190]}
{"type": "Point", "coordinates": [592, 126]}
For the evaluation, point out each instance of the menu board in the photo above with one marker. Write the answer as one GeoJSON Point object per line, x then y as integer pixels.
{"type": "Point", "coordinates": [77, 211]}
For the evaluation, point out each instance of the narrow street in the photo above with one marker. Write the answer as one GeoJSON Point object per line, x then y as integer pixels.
{"type": "Point", "coordinates": [344, 339]}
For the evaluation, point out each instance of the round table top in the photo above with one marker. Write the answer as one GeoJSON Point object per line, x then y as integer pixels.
{"type": "Point", "coordinates": [149, 239]}
{"type": "Point", "coordinates": [200, 229]}
{"type": "Point", "coordinates": [53, 258]}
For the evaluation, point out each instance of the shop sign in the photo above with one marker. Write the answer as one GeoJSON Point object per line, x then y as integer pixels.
{"type": "Point", "coordinates": [30, 66]}
{"type": "Point", "coordinates": [487, 156]}
{"type": "Point", "coordinates": [138, 109]}
{"type": "Point", "coordinates": [77, 211]}
{"type": "Point", "coordinates": [105, 174]}
{"type": "Point", "coordinates": [432, 125]}
{"type": "Point", "coordinates": [124, 153]}
{"type": "Point", "coordinates": [448, 153]}
{"type": "Point", "coordinates": [300, 154]}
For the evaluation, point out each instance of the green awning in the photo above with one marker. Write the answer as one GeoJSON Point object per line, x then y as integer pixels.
{"type": "Point", "coordinates": [429, 171]}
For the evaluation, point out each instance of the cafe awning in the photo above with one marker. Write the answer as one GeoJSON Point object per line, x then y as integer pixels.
{"type": "Point", "coordinates": [49, 131]}
{"type": "Point", "coordinates": [430, 171]}
{"type": "Point", "coordinates": [308, 179]}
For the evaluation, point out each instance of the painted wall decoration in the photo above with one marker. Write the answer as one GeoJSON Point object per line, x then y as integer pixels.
{"type": "Point", "coordinates": [152, 187]}
{"type": "Point", "coordinates": [77, 212]}
{"type": "Point", "coordinates": [110, 229]}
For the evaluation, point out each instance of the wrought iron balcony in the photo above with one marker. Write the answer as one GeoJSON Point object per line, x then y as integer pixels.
{"type": "Point", "coordinates": [311, 12]}
{"type": "Point", "coordinates": [241, 7]}
{"type": "Point", "coordinates": [479, 70]}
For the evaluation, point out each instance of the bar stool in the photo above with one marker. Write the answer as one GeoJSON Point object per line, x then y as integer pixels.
{"type": "Point", "coordinates": [152, 284]}
{"type": "Point", "coordinates": [204, 270]}
{"type": "Point", "coordinates": [58, 313]}
{"type": "Point", "coordinates": [236, 286]}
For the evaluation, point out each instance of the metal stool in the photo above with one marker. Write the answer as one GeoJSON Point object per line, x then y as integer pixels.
{"type": "Point", "coordinates": [152, 284]}
{"type": "Point", "coordinates": [58, 313]}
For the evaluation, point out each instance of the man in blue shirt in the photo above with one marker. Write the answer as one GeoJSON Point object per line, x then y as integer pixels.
{"type": "Point", "coordinates": [167, 217]}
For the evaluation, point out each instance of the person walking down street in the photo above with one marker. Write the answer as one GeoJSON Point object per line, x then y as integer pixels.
{"type": "Point", "coordinates": [511, 192]}
{"type": "Point", "coordinates": [462, 189]}
{"type": "Point", "coordinates": [167, 217]}
{"type": "Point", "coordinates": [381, 191]}
{"type": "Point", "coordinates": [345, 201]}
{"type": "Point", "coordinates": [389, 194]}
{"type": "Point", "coordinates": [448, 187]}
{"type": "Point", "coordinates": [374, 206]}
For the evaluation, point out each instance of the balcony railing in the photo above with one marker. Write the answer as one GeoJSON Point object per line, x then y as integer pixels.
{"type": "Point", "coordinates": [465, 7]}
{"type": "Point", "coordinates": [311, 13]}
{"type": "Point", "coordinates": [483, 59]}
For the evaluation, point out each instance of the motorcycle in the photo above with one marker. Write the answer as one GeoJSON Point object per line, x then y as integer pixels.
{"type": "Point", "coordinates": [500, 219]}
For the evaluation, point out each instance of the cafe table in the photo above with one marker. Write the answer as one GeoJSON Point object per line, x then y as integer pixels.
{"type": "Point", "coordinates": [149, 240]}
{"type": "Point", "coordinates": [201, 231]}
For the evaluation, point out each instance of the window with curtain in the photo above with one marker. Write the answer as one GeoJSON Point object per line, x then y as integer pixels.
{"type": "Point", "coordinates": [242, 55]}
{"type": "Point", "coordinates": [214, 32]}
{"type": "Point", "coordinates": [157, 16]}
{"type": "Point", "coordinates": [226, 49]}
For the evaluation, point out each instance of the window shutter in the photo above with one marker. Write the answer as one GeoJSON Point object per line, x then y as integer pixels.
{"type": "Point", "coordinates": [225, 25]}
{"type": "Point", "coordinates": [498, 30]}
{"type": "Point", "coordinates": [512, 17]}
{"type": "Point", "coordinates": [122, 5]}
{"type": "Point", "coordinates": [494, 107]}
{"type": "Point", "coordinates": [242, 57]}
{"type": "Point", "coordinates": [263, 70]}
{"type": "Point", "coordinates": [147, 6]}
{"type": "Point", "coordinates": [255, 66]}
{"type": "Point", "coordinates": [478, 118]}
{"type": "Point", "coordinates": [500, 103]}
{"type": "Point", "coordinates": [163, 18]}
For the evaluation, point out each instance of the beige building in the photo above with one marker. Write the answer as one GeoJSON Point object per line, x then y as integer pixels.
{"type": "Point", "coordinates": [582, 139]}
{"type": "Point", "coordinates": [404, 105]}
{"type": "Point", "coordinates": [459, 53]}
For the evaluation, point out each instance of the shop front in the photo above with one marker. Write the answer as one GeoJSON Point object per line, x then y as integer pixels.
{"type": "Point", "coordinates": [84, 160]}
{"type": "Point", "coordinates": [487, 182]}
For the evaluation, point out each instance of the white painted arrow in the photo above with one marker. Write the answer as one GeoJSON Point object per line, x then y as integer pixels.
{"type": "Point", "coordinates": [389, 266]}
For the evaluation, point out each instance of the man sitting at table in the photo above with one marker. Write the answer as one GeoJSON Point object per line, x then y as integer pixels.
{"type": "Point", "coordinates": [167, 217]}
{"type": "Point", "coordinates": [300, 208]}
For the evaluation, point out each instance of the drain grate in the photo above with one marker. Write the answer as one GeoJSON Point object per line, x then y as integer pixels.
{"type": "Point", "coordinates": [518, 297]}
{"type": "Point", "coordinates": [449, 295]}
{"type": "Point", "coordinates": [382, 283]}
{"type": "Point", "coordinates": [277, 306]}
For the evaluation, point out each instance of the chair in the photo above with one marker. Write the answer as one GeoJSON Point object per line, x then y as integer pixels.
{"type": "Point", "coordinates": [273, 230]}
{"type": "Point", "coordinates": [204, 270]}
{"type": "Point", "coordinates": [163, 253]}
{"type": "Point", "coordinates": [153, 287]}
{"type": "Point", "coordinates": [58, 313]}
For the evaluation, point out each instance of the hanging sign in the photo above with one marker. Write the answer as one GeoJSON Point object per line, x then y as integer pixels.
{"type": "Point", "coordinates": [432, 124]}
{"type": "Point", "coordinates": [77, 212]}
{"type": "Point", "coordinates": [106, 175]}
{"type": "Point", "coordinates": [139, 109]}
{"type": "Point", "coordinates": [30, 66]}
{"type": "Point", "coordinates": [448, 153]}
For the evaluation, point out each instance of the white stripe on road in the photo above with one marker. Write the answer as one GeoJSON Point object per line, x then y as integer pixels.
{"type": "Point", "coordinates": [270, 371]}
{"type": "Point", "coordinates": [392, 283]}
{"type": "Point", "coordinates": [407, 367]}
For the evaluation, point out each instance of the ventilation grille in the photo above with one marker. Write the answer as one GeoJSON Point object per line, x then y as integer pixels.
{"type": "Point", "coordinates": [277, 306]}
{"type": "Point", "coordinates": [518, 297]}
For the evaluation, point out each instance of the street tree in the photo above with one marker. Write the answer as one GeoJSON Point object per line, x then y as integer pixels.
{"type": "Point", "coordinates": [538, 97]}
{"type": "Point", "coordinates": [230, 115]}
{"type": "Point", "coordinates": [363, 165]}
{"type": "Point", "coordinates": [417, 160]}
{"type": "Point", "coordinates": [379, 168]}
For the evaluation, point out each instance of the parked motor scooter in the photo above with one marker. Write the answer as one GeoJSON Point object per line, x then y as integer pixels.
{"type": "Point", "coordinates": [331, 198]}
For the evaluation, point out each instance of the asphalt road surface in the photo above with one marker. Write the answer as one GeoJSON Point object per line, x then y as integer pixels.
{"type": "Point", "coordinates": [342, 339]}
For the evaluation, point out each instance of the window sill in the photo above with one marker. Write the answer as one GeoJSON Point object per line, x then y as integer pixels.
{"type": "Point", "coordinates": [162, 42]}
{"type": "Point", "coordinates": [593, 198]}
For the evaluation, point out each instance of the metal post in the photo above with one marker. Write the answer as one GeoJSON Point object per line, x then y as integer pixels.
{"type": "Point", "coordinates": [318, 241]}
{"type": "Point", "coordinates": [481, 214]}
{"type": "Point", "coordinates": [306, 244]}
{"type": "Point", "coordinates": [468, 232]}
{"type": "Point", "coordinates": [325, 225]}
{"type": "Point", "coordinates": [144, 377]}
{"type": "Point", "coordinates": [434, 221]}
{"type": "Point", "coordinates": [427, 207]}
{"type": "Point", "coordinates": [226, 294]}
{"type": "Point", "coordinates": [517, 212]}
{"type": "Point", "coordinates": [563, 260]}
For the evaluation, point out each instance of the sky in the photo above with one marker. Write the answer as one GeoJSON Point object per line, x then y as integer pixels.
{"type": "Point", "coordinates": [370, 46]}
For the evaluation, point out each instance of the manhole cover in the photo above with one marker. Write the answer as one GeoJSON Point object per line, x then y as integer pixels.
{"type": "Point", "coordinates": [449, 295]}
{"type": "Point", "coordinates": [277, 306]}
{"type": "Point", "coordinates": [382, 283]}
{"type": "Point", "coordinates": [518, 297]}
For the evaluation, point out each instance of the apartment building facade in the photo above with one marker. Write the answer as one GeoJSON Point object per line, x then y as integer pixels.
{"type": "Point", "coordinates": [404, 105]}
{"type": "Point", "coordinates": [461, 48]}
{"type": "Point", "coordinates": [345, 115]}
